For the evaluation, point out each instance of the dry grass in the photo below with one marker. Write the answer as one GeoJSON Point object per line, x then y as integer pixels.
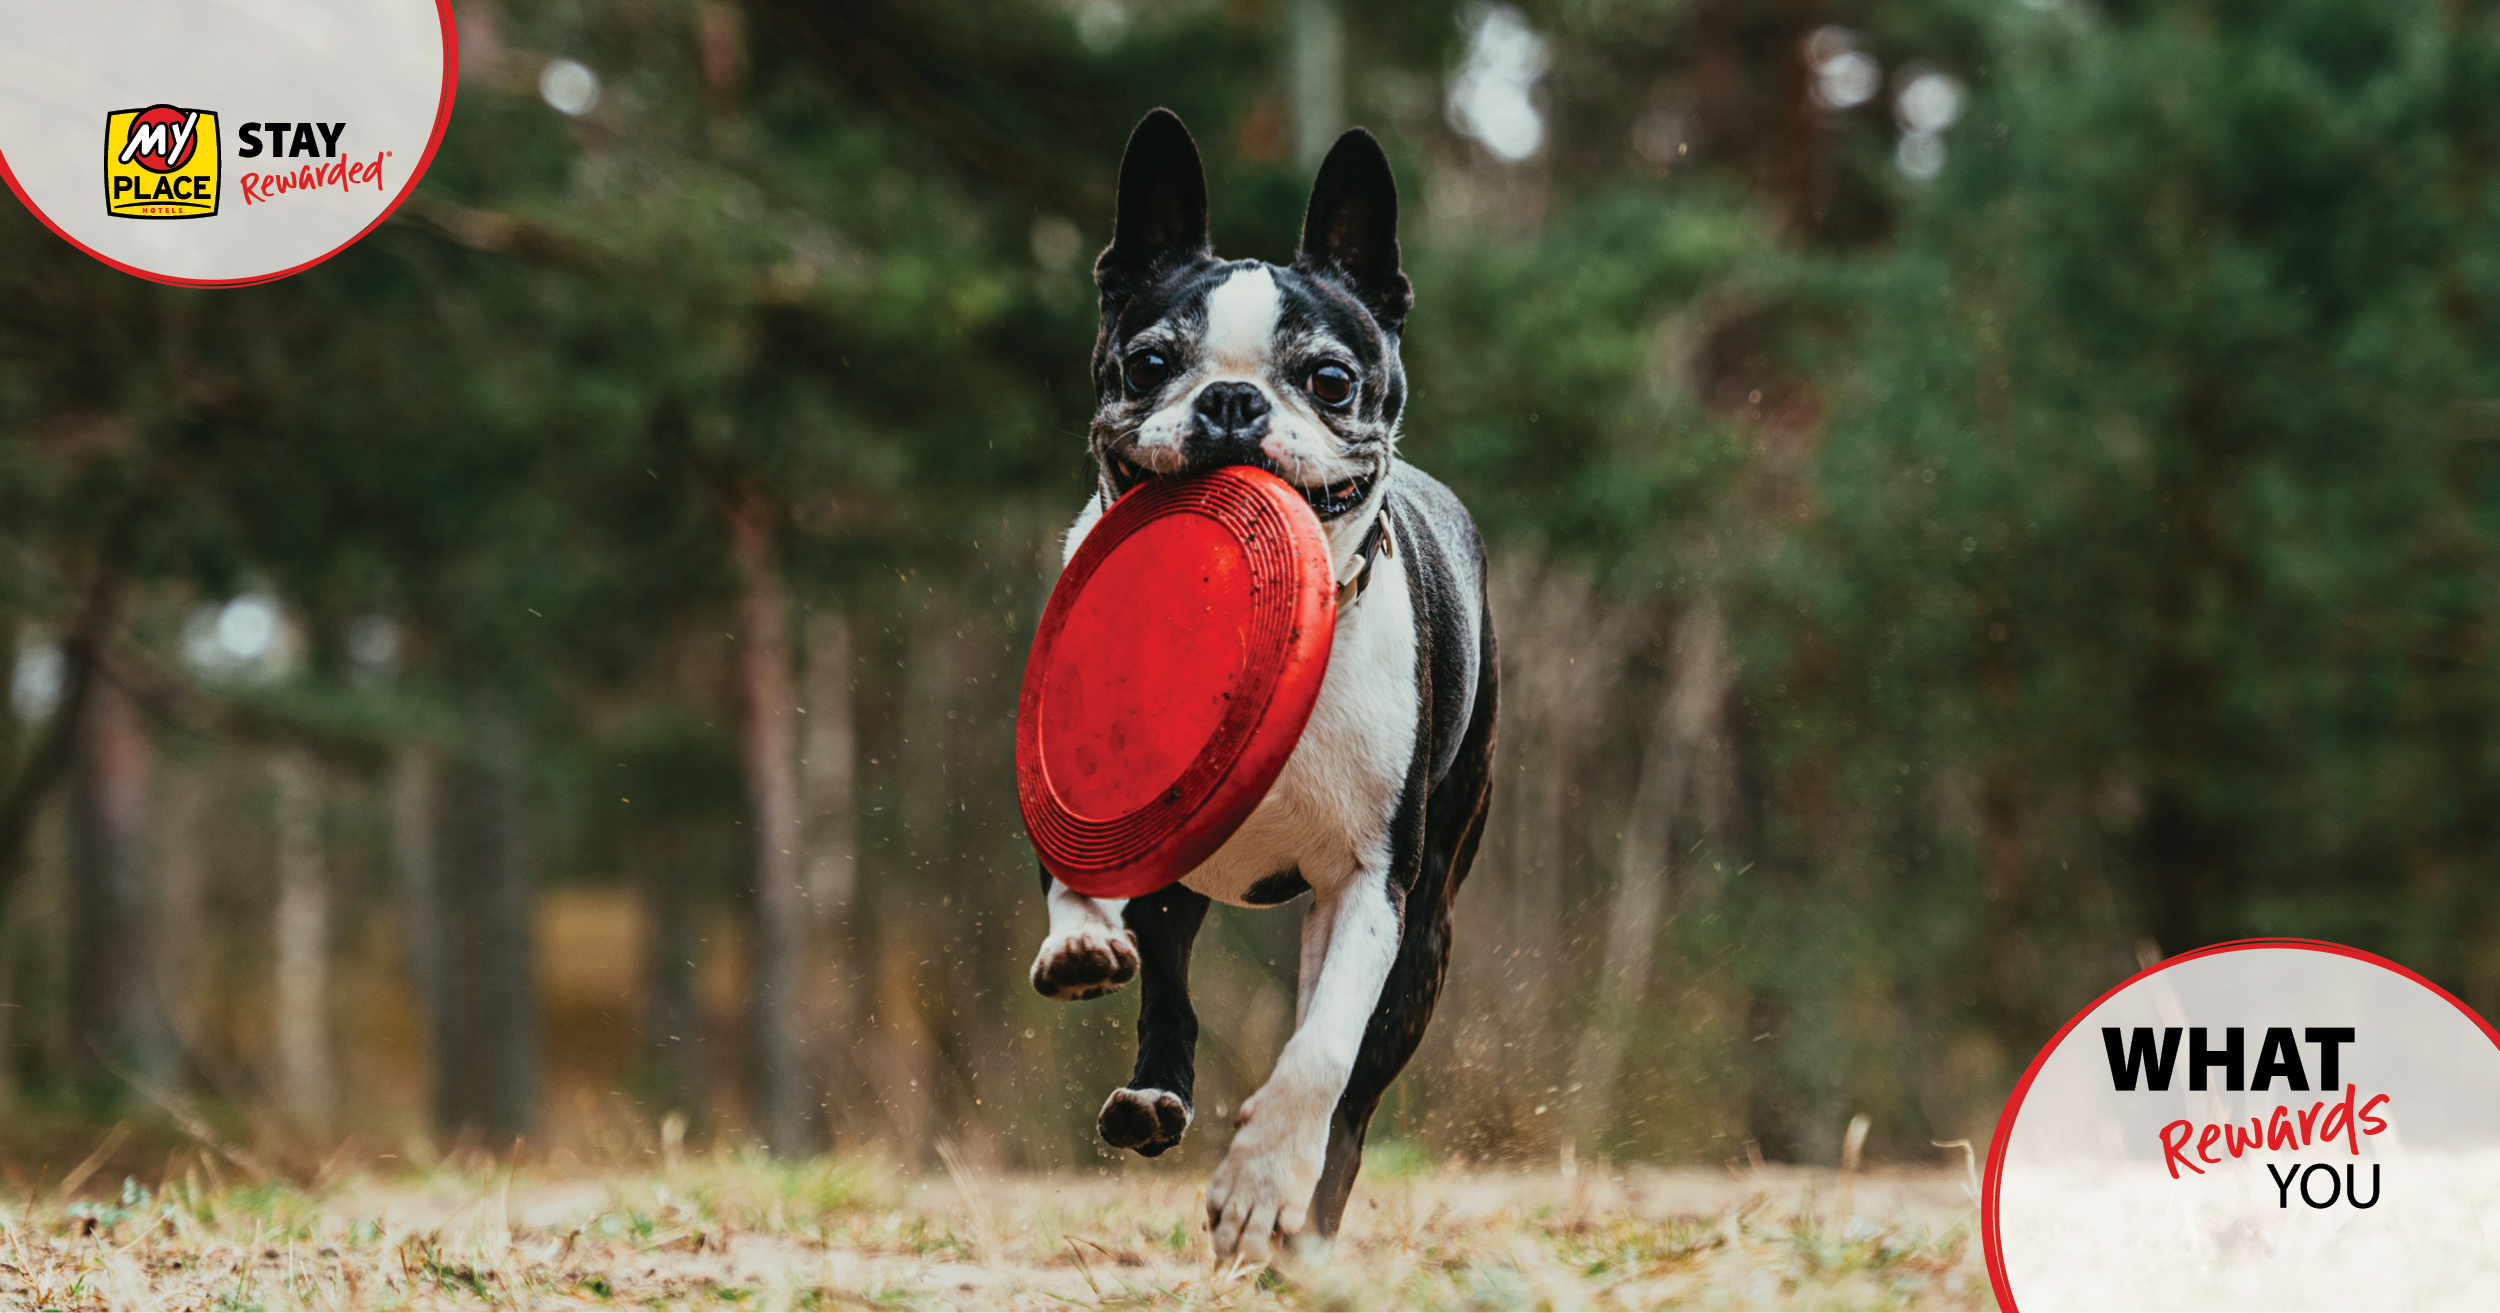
{"type": "Point", "coordinates": [737, 1232]}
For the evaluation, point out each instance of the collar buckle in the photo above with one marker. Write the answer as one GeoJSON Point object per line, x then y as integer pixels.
{"type": "Point", "coordinates": [1376, 544]}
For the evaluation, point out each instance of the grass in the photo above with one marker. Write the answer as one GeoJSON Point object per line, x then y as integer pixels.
{"type": "Point", "coordinates": [735, 1231]}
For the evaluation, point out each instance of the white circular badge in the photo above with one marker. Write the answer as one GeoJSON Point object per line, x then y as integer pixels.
{"type": "Point", "coordinates": [2273, 1124]}
{"type": "Point", "coordinates": [216, 143]}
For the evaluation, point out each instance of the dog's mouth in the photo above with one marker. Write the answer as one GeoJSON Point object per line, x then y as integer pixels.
{"type": "Point", "coordinates": [1327, 502]}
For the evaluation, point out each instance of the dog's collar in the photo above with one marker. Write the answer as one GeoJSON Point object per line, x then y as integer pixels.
{"type": "Point", "coordinates": [1376, 544]}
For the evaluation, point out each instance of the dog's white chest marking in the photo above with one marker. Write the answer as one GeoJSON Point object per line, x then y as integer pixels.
{"type": "Point", "coordinates": [1329, 812]}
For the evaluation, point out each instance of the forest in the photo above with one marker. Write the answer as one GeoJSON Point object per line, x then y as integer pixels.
{"type": "Point", "coordinates": [1982, 494]}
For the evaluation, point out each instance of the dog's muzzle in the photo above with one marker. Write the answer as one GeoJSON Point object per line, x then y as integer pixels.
{"type": "Point", "coordinates": [1327, 502]}
{"type": "Point", "coordinates": [1229, 425]}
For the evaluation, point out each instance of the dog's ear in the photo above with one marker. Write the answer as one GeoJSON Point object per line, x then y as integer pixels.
{"type": "Point", "coordinates": [1352, 228]}
{"type": "Point", "coordinates": [1162, 217]}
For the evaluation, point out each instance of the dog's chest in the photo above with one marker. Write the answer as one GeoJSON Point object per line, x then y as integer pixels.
{"type": "Point", "coordinates": [1329, 812]}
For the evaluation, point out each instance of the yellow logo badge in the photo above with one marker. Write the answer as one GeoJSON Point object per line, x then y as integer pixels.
{"type": "Point", "coordinates": [161, 163]}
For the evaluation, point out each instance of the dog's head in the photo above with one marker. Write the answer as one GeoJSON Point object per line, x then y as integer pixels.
{"type": "Point", "coordinates": [1204, 362]}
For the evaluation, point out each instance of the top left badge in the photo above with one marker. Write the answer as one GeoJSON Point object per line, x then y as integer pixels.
{"type": "Point", "coordinates": [288, 130]}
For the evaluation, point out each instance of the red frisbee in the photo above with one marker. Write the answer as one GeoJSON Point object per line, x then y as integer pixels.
{"type": "Point", "coordinates": [1177, 662]}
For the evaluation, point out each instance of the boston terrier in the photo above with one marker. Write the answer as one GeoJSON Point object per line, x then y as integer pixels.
{"type": "Point", "coordinates": [1203, 362]}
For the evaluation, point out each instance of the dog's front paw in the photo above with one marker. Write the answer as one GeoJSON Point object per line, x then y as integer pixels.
{"type": "Point", "coordinates": [1263, 1190]}
{"type": "Point", "coordinates": [1086, 962]}
{"type": "Point", "coordinates": [1149, 1121]}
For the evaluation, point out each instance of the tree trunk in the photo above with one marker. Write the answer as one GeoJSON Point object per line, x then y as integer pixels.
{"type": "Point", "coordinates": [1800, 180]}
{"type": "Point", "coordinates": [12, 716]}
{"type": "Point", "coordinates": [116, 1023]}
{"type": "Point", "coordinates": [1643, 890]}
{"type": "Point", "coordinates": [672, 1026]}
{"type": "Point", "coordinates": [2190, 857]}
{"type": "Point", "coordinates": [1318, 79]}
{"type": "Point", "coordinates": [179, 965]}
{"type": "Point", "coordinates": [1560, 662]}
{"type": "Point", "coordinates": [301, 971]}
{"type": "Point", "coordinates": [514, 968]}
{"type": "Point", "coordinates": [829, 770]}
{"type": "Point", "coordinates": [28, 775]}
{"type": "Point", "coordinates": [416, 892]}
{"type": "Point", "coordinates": [787, 1108]}
{"type": "Point", "coordinates": [486, 1071]}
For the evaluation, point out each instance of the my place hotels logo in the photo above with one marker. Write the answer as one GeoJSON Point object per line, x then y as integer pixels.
{"type": "Point", "coordinates": [2301, 1126]}
{"type": "Point", "coordinates": [161, 162]}
{"type": "Point", "coordinates": [292, 129]}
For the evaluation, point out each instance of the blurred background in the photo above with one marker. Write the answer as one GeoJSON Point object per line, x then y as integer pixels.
{"type": "Point", "coordinates": [1982, 494]}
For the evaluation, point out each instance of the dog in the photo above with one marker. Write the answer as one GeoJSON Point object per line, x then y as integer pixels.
{"type": "Point", "coordinates": [1200, 363]}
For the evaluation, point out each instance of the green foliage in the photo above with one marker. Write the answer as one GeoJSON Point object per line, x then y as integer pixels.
{"type": "Point", "coordinates": [2151, 535]}
{"type": "Point", "coordinates": [1547, 387]}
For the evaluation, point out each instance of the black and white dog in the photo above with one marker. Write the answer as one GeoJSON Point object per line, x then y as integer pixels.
{"type": "Point", "coordinates": [1201, 363]}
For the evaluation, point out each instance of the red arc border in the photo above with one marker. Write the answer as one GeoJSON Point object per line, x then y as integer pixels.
{"type": "Point", "coordinates": [442, 121]}
{"type": "Point", "coordinates": [1988, 1237]}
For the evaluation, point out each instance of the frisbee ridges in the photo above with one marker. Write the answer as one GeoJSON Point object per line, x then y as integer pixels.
{"type": "Point", "coordinates": [1103, 845]}
{"type": "Point", "coordinates": [1283, 641]}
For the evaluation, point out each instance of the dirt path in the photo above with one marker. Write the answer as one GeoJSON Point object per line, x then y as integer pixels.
{"type": "Point", "coordinates": [749, 1233]}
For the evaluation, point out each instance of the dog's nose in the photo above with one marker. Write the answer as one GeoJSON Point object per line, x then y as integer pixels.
{"type": "Point", "coordinates": [1232, 410]}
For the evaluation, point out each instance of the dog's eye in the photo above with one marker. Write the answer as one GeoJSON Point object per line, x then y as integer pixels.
{"type": "Point", "coordinates": [1145, 371]}
{"type": "Point", "coordinates": [1333, 385]}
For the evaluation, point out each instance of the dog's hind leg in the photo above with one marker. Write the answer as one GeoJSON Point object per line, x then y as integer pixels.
{"type": "Point", "coordinates": [1088, 953]}
{"type": "Point", "coordinates": [1155, 1108]}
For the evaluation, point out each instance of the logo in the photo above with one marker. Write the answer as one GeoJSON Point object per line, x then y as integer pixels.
{"type": "Point", "coordinates": [295, 127]}
{"type": "Point", "coordinates": [2275, 1124]}
{"type": "Point", "coordinates": [160, 163]}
